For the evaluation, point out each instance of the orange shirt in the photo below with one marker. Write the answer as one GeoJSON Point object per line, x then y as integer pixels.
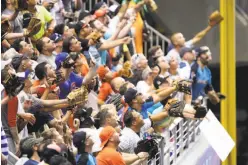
{"type": "Point", "coordinates": [85, 66]}
{"type": "Point", "coordinates": [41, 90]}
{"type": "Point", "coordinates": [109, 156]}
{"type": "Point", "coordinates": [104, 91]}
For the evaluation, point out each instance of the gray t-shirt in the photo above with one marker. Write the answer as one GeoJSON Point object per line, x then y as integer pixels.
{"type": "Point", "coordinates": [15, 24]}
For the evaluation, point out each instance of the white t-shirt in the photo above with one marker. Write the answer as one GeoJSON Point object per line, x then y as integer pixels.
{"type": "Point", "coordinates": [49, 59]}
{"type": "Point", "coordinates": [184, 70]}
{"type": "Point", "coordinates": [95, 137]}
{"type": "Point", "coordinates": [143, 87]}
{"type": "Point", "coordinates": [174, 53]}
{"type": "Point", "coordinates": [130, 139]}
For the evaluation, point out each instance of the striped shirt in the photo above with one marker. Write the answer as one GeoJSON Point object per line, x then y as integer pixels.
{"type": "Point", "coordinates": [4, 143]}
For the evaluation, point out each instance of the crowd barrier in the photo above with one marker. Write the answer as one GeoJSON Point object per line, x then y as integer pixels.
{"type": "Point", "coordinates": [175, 141]}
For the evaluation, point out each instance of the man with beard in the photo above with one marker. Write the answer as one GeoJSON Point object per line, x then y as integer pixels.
{"type": "Point", "coordinates": [202, 79]}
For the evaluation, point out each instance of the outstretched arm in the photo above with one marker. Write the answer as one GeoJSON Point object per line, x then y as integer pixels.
{"type": "Point", "coordinates": [201, 34]}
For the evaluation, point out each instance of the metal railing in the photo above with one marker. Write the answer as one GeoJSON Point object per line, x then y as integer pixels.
{"type": "Point", "coordinates": [175, 141]}
{"type": "Point", "coordinates": [242, 4]}
{"type": "Point", "coordinates": [156, 38]}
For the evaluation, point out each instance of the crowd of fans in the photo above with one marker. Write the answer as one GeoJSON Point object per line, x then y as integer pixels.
{"type": "Point", "coordinates": [81, 91]}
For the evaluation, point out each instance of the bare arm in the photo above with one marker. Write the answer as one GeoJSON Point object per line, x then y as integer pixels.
{"type": "Point", "coordinates": [201, 34]}
{"type": "Point", "coordinates": [139, 5]}
{"type": "Point", "coordinates": [54, 107]}
{"type": "Point", "coordinates": [66, 116]}
{"type": "Point", "coordinates": [10, 17]}
{"type": "Point", "coordinates": [5, 100]}
{"type": "Point", "coordinates": [214, 99]}
{"type": "Point", "coordinates": [52, 24]}
{"type": "Point", "coordinates": [125, 30]}
{"type": "Point", "coordinates": [123, 10]}
{"type": "Point", "coordinates": [160, 116]}
{"type": "Point", "coordinates": [129, 158]}
{"type": "Point", "coordinates": [111, 44]}
{"type": "Point", "coordinates": [163, 94]}
{"type": "Point", "coordinates": [90, 75]}
{"type": "Point", "coordinates": [13, 36]}
{"type": "Point", "coordinates": [52, 103]}
{"type": "Point", "coordinates": [14, 134]}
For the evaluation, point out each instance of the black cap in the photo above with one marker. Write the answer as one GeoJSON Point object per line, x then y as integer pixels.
{"type": "Point", "coordinates": [79, 139]}
{"type": "Point", "coordinates": [159, 80]}
{"type": "Point", "coordinates": [83, 14]}
{"type": "Point", "coordinates": [80, 25]}
{"type": "Point", "coordinates": [200, 51]}
{"type": "Point", "coordinates": [130, 94]}
{"type": "Point", "coordinates": [16, 61]}
{"type": "Point", "coordinates": [96, 7]}
{"type": "Point", "coordinates": [185, 50]}
{"type": "Point", "coordinates": [56, 37]}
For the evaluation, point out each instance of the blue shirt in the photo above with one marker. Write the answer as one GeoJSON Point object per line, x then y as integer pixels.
{"type": "Point", "coordinates": [91, 159]}
{"type": "Point", "coordinates": [31, 162]}
{"type": "Point", "coordinates": [201, 81]}
{"type": "Point", "coordinates": [74, 81]}
{"type": "Point", "coordinates": [144, 109]}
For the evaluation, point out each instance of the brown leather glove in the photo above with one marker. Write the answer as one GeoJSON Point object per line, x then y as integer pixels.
{"type": "Point", "coordinates": [34, 27]}
{"type": "Point", "coordinates": [215, 18]}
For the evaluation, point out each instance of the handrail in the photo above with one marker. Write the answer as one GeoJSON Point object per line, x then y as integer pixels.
{"type": "Point", "coordinates": [158, 33]}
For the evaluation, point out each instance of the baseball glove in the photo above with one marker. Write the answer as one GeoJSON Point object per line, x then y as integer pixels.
{"type": "Point", "coordinates": [34, 27]}
{"type": "Point", "coordinates": [215, 18]}
{"type": "Point", "coordinates": [182, 86]}
{"type": "Point", "coordinates": [126, 71]}
{"type": "Point", "coordinates": [78, 96]}
{"type": "Point", "coordinates": [147, 145]}
{"type": "Point", "coordinates": [95, 36]}
{"type": "Point", "coordinates": [13, 86]}
{"type": "Point", "coordinates": [201, 111]}
{"type": "Point", "coordinates": [176, 108]}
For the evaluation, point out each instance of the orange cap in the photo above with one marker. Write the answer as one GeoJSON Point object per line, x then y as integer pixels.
{"type": "Point", "coordinates": [102, 71]}
{"type": "Point", "coordinates": [100, 13]}
{"type": "Point", "coordinates": [106, 134]}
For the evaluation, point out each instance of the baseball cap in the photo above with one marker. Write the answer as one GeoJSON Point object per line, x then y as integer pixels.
{"type": "Point", "coordinates": [80, 25]}
{"type": "Point", "coordinates": [60, 58]}
{"type": "Point", "coordinates": [130, 94]}
{"type": "Point", "coordinates": [106, 134]}
{"type": "Point", "coordinates": [79, 138]}
{"type": "Point", "coordinates": [83, 14]}
{"type": "Point", "coordinates": [16, 61]}
{"type": "Point", "coordinates": [201, 50]}
{"type": "Point", "coordinates": [100, 13]}
{"type": "Point", "coordinates": [96, 7]}
{"type": "Point", "coordinates": [159, 80]}
{"type": "Point", "coordinates": [30, 142]}
{"type": "Point", "coordinates": [185, 50]}
{"type": "Point", "coordinates": [102, 71]}
{"type": "Point", "coordinates": [56, 37]}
